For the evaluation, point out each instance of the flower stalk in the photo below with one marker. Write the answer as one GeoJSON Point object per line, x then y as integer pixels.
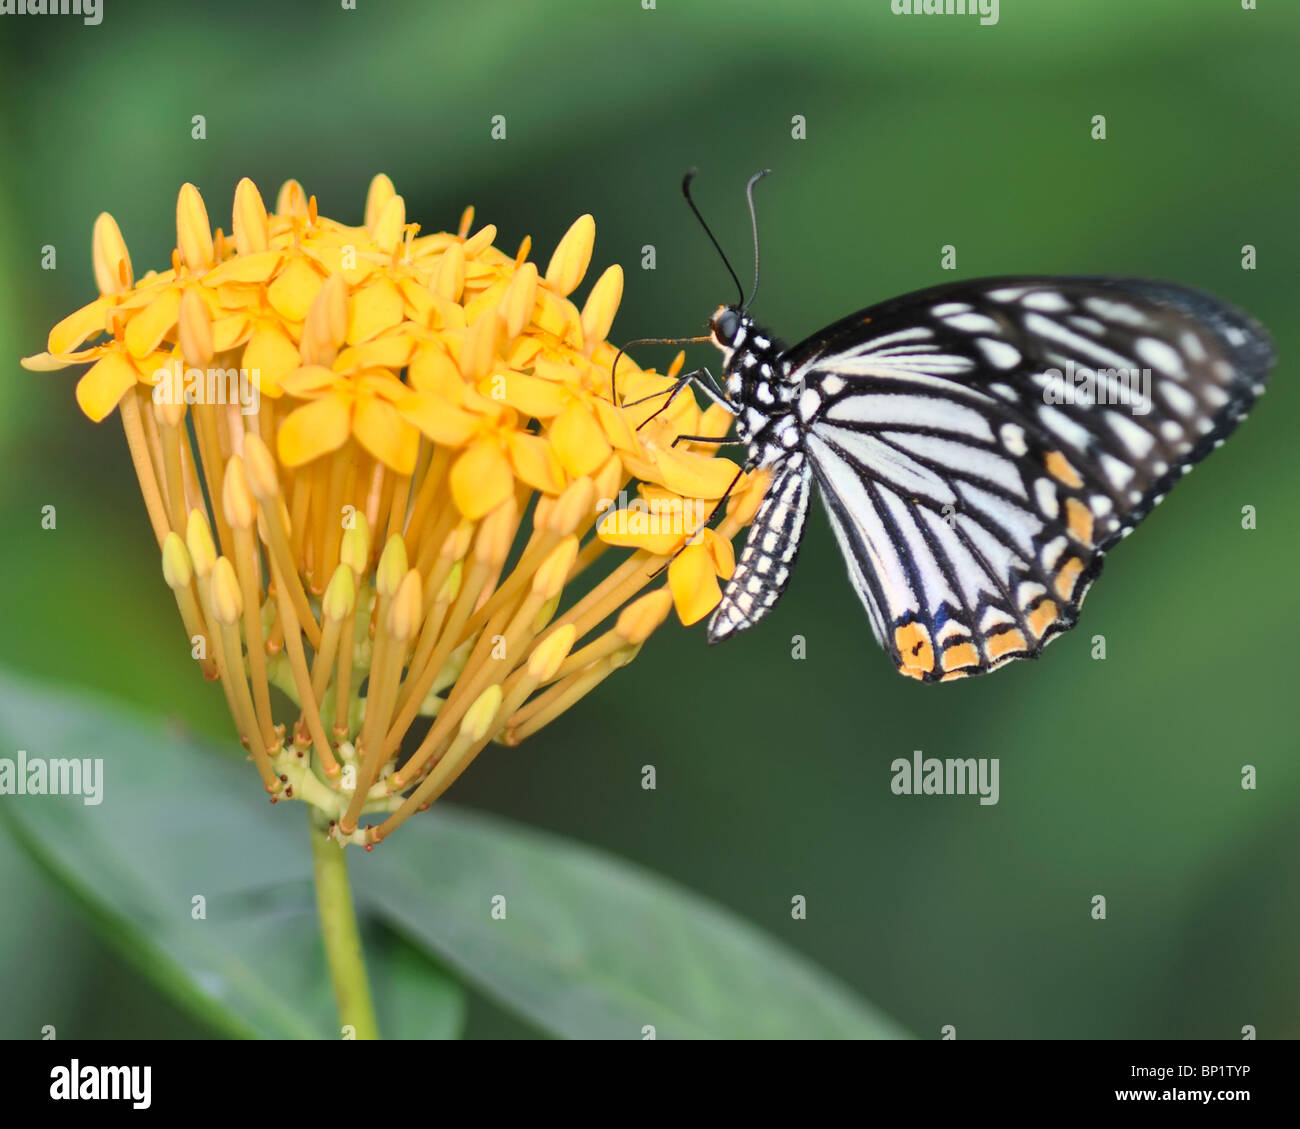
{"type": "Point", "coordinates": [341, 937]}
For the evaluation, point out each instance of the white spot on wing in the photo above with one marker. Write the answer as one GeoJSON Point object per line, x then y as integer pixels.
{"type": "Point", "coordinates": [1158, 354]}
{"type": "Point", "coordinates": [809, 401]}
{"type": "Point", "coordinates": [999, 354]}
{"type": "Point", "coordinates": [1046, 301]}
{"type": "Point", "coordinates": [1114, 311]}
{"type": "Point", "coordinates": [1136, 438]}
{"type": "Point", "coordinates": [1013, 439]}
{"type": "Point", "coordinates": [973, 323]}
{"type": "Point", "coordinates": [1045, 495]}
{"type": "Point", "coordinates": [1007, 293]}
{"type": "Point", "coordinates": [1182, 401]}
{"type": "Point", "coordinates": [1119, 472]}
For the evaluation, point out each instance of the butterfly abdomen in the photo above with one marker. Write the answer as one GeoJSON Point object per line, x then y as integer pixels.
{"type": "Point", "coordinates": [763, 570]}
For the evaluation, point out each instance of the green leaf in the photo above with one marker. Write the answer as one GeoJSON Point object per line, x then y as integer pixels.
{"type": "Point", "coordinates": [590, 947]}
{"type": "Point", "coordinates": [593, 947]}
{"type": "Point", "coordinates": [179, 821]}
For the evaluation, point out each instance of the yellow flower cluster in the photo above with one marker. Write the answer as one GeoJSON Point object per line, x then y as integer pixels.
{"type": "Point", "coordinates": [377, 462]}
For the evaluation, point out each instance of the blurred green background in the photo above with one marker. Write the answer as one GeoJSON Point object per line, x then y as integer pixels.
{"type": "Point", "coordinates": [1118, 777]}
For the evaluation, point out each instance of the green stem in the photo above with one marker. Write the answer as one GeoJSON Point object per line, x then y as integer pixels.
{"type": "Point", "coordinates": [342, 939]}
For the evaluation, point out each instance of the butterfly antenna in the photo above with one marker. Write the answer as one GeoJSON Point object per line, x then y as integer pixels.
{"type": "Point", "coordinates": [686, 191]}
{"type": "Point", "coordinates": [753, 221]}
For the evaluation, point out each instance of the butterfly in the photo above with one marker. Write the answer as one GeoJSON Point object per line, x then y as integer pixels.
{"type": "Point", "coordinates": [979, 446]}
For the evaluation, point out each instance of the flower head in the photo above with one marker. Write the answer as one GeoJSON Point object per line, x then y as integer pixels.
{"type": "Point", "coordinates": [378, 465]}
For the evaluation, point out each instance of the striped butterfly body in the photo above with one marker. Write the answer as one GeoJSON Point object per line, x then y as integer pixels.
{"type": "Point", "coordinates": [979, 447]}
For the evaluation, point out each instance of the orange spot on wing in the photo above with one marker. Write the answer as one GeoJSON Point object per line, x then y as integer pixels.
{"type": "Point", "coordinates": [916, 654]}
{"type": "Point", "coordinates": [1079, 518]}
{"type": "Point", "coordinates": [1068, 577]}
{"type": "Point", "coordinates": [1042, 617]}
{"type": "Point", "coordinates": [1005, 643]}
{"type": "Point", "coordinates": [1058, 466]}
{"type": "Point", "coordinates": [960, 655]}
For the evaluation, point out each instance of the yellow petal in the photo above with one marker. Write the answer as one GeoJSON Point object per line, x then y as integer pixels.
{"type": "Point", "coordinates": [311, 380]}
{"type": "Point", "coordinates": [481, 479]}
{"type": "Point", "coordinates": [104, 384]}
{"type": "Point", "coordinates": [373, 309]}
{"type": "Point", "coordinates": [390, 352]}
{"type": "Point", "coordinates": [616, 426]}
{"type": "Point", "coordinates": [540, 399]}
{"type": "Point", "coordinates": [535, 462]}
{"type": "Point", "coordinates": [432, 370]}
{"type": "Point", "coordinates": [245, 268]}
{"type": "Point", "coordinates": [314, 429]}
{"type": "Point", "coordinates": [326, 326]}
{"type": "Point", "coordinates": [291, 200]}
{"type": "Point", "coordinates": [438, 418]}
{"type": "Point", "coordinates": [230, 332]}
{"type": "Point", "coordinates": [635, 529]}
{"type": "Point", "coordinates": [493, 296]}
{"type": "Point", "coordinates": [449, 277]}
{"type": "Point", "coordinates": [578, 439]}
{"type": "Point", "coordinates": [381, 430]}
{"type": "Point", "coordinates": [194, 329]}
{"type": "Point", "coordinates": [77, 326]}
{"type": "Point", "coordinates": [193, 229]}
{"type": "Point", "coordinates": [694, 584]}
{"type": "Point", "coordinates": [572, 256]}
{"type": "Point", "coordinates": [112, 261]}
{"type": "Point", "coordinates": [520, 298]}
{"type": "Point", "coordinates": [478, 350]}
{"type": "Point", "coordinates": [377, 196]}
{"type": "Point", "coordinates": [419, 302]}
{"type": "Point", "coordinates": [748, 496]}
{"type": "Point", "coordinates": [480, 243]}
{"type": "Point", "coordinates": [153, 323]}
{"type": "Point", "coordinates": [557, 316]}
{"type": "Point", "coordinates": [44, 362]}
{"type": "Point", "coordinates": [293, 292]}
{"type": "Point", "coordinates": [269, 357]}
{"type": "Point", "coordinates": [720, 550]}
{"type": "Point", "coordinates": [387, 232]}
{"type": "Point", "coordinates": [695, 476]}
{"type": "Point", "coordinates": [715, 420]}
{"type": "Point", "coordinates": [601, 306]}
{"type": "Point", "coordinates": [248, 223]}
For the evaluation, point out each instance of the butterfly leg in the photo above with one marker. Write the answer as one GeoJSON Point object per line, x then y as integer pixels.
{"type": "Point", "coordinates": [721, 440]}
{"type": "Point", "coordinates": [704, 524]}
{"type": "Point", "coordinates": [696, 378]}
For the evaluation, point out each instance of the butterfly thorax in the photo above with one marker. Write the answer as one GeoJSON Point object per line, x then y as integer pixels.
{"type": "Point", "coordinates": [758, 386]}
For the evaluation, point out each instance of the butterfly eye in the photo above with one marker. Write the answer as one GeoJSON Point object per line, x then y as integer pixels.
{"type": "Point", "coordinates": [725, 324]}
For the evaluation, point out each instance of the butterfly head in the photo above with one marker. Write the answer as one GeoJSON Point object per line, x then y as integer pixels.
{"type": "Point", "coordinates": [728, 327]}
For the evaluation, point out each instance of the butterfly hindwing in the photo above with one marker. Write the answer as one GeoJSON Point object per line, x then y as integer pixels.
{"type": "Point", "coordinates": [975, 479]}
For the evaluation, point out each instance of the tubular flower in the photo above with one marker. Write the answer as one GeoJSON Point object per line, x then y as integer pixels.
{"type": "Point", "coordinates": [378, 465]}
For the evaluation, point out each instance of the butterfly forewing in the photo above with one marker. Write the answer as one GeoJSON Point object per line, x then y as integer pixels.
{"type": "Point", "coordinates": [981, 445]}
